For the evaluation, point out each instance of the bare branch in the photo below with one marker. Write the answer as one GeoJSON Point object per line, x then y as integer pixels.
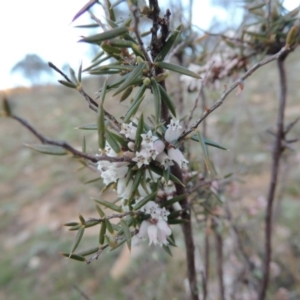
{"type": "Point", "coordinates": [276, 156]}
{"type": "Point", "coordinates": [69, 148]}
{"type": "Point", "coordinates": [283, 52]}
{"type": "Point", "coordinates": [134, 10]}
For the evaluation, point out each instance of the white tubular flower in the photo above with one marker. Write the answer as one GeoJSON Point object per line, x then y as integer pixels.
{"type": "Point", "coordinates": [174, 131]}
{"type": "Point", "coordinates": [164, 160]}
{"type": "Point", "coordinates": [148, 139]}
{"type": "Point", "coordinates": [124, 190]}
{"type": "Point", "coordinates": [141, 158]}
{"type": "Point", "coordinates": [158, 146]}
{"type": "Point", "coordinates": [156, 230]}
{"type": "Point", "coordinates": [177, 156]}
{"type": "Point", "coordinates": [128, 130]}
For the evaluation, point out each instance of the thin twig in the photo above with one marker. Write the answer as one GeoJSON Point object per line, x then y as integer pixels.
{"type": "Point", "coordinates": [92, 103]}
{"type": "Point", "coordinates": [66, 146]}
{"type": "Point", "coordinates": [134, 10]}
{"type": "Point", "coordinates": [228, 90]}
{"type": "Point", "coordinates": [276, 156]}
{"type": "Point", "coordinates": [200, 94]}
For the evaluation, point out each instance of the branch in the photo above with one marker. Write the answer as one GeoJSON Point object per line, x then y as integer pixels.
{"type": "Point", "coordinates": [134, 10]}
{"type": "Point", "coordinates": [276, 155]}
{"type": "Point", "coordinates": [188, 235]}
{"type": "Point", "coordinates": [66, 146]}
{"type": "Point", "coordinates": [92, 103]}
{"type": "Point", "coordinates": [283, 52]}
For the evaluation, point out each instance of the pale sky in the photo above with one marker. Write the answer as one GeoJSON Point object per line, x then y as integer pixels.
{"type": "Point", "coordinates": [44, 28]}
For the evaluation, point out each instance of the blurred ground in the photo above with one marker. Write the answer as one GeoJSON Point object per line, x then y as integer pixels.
{"type": "Point", "coordinates": [39, 193]}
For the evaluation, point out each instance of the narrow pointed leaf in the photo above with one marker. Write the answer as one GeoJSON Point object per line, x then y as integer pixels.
{"type": "Point", "coordinates": [112, 142]}
{"type": "Point", "coordinates": [127, 233]}
{"type": "Point", "coordinates": [166, 99]}
{"type": "Point", "coordinates": [176, 68]}
{"type": "Point", "coordinates": [110, 205]}
{"type": "Point", "coordinates": [107, 35]}
{"type": "Point", "coordinates": [168, 45]}
{"type": "Point", "coordinates": [102, 233]}
{"type": "Point", "coordinates": [84, 144]}
{"type": "Point", "coordinates": [167, 249]}
{"type": "Point", "coordinates": [139, 131]}
{"type": "Point", "coordinates": [138, 70]}
{"type": "Point", "coordinates": [110, 11]}
{"type": "Point", "coordinates": [204, 150]}
{"type": "Point", "coordinates": [100, 211]}
{"type": "Point", "coordinates": [71, 224]}
{"type": "Point", "coordinates": [73, 256]}
{"type": "Point", "coordinates": [78, 238]}
{"type": "Point", "coordinates": [79, 73]}
{"type": "Point", "coordinates": [126, 93]}
{"type": "Point", "coordinates": [94, 25]}
{"type": "Point", "coordinates": [47, 149]}
{"type": "Point", "coordinates": [133, 108]}
{"type": "Point", "coordinates": [135, 184]}
{"type": "Point", "coordinates": [88, 127]}
{"type": "Point", "coordinates": [109, 226]}
{"type": "Point", "coordinates": [86, 7]}
{"type": "Point", "coordinates": [67, 84]}
{"type": "Point", "coordinates": [118, 139]}
{"type": "Point", "coordinates": [157, 100]}
{"type": "Point", "coordinates": [88, 251]}
{"type": "Point", "coordinates": [208, 142]}
{"type": "Point", "coordinates": [91, 223]}
{"type": "Point", "coordinates": [73, 76]}
{"type": "Point", "coordinates": [173, 200]}
{"type": "Point", "coordinates": [101, 118]}
{"type": "Point", "coordinates": [144, 201]}
{"type": "Point", "coordinates": [98, 56]}
{"type": "Point", "coordinates": [93, 180]}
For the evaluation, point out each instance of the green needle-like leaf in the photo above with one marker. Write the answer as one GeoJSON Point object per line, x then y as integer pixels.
{"type": "Point", "coordinates": [78, 238]}
{"type": "Point", "coordinates": [110, 205]}
{"type": "Point", "coordinates": [136, 73]}
{"type": "Point", "coordinates": [167, 100]}
{"type": "Point", "coordinates": [135, 103]}
{"type": "Point", "coordinates": [47, 149]}
{"type": "Point", "coordinates": [139, 131]}
{"type": "Point", "coordinates": [67, 84]}
{"type": "Point", "coordinates": [112, 142]}
{"type": "Point", "coordinates": [73, 256]}
{"type": "Point", "coordinates": [176, 68]}
{"type": "Point", "coordinates": [144, 201]}
{"type": "Point", "coordinates": [157, 100]}
{"type": "Point", "coordinates": [168, 45]}
{"type": "Point", "coordinates": [127, 233]}
{"type": "Point", "coordinates": [106, 35]}
{"type": "Point", "coordinates": [102, 233]}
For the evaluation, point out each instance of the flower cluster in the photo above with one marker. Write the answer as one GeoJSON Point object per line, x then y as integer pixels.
{"type": "Point", "coordinates": [152, 149]}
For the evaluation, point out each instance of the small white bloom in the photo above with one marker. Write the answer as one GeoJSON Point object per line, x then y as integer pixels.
{"type": "Point", "coordinates": [148, 139]}
{"type": "Point", "coordinates": [164, 160]}
{"type": "Point", "coordinates": [128, 130]}
{"type": "Point", "coordinates": [141, 158]}
{"type": "Point", "coordinates": [174, 131]}
{"type": "Point", "coordinates": [177, 156]}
